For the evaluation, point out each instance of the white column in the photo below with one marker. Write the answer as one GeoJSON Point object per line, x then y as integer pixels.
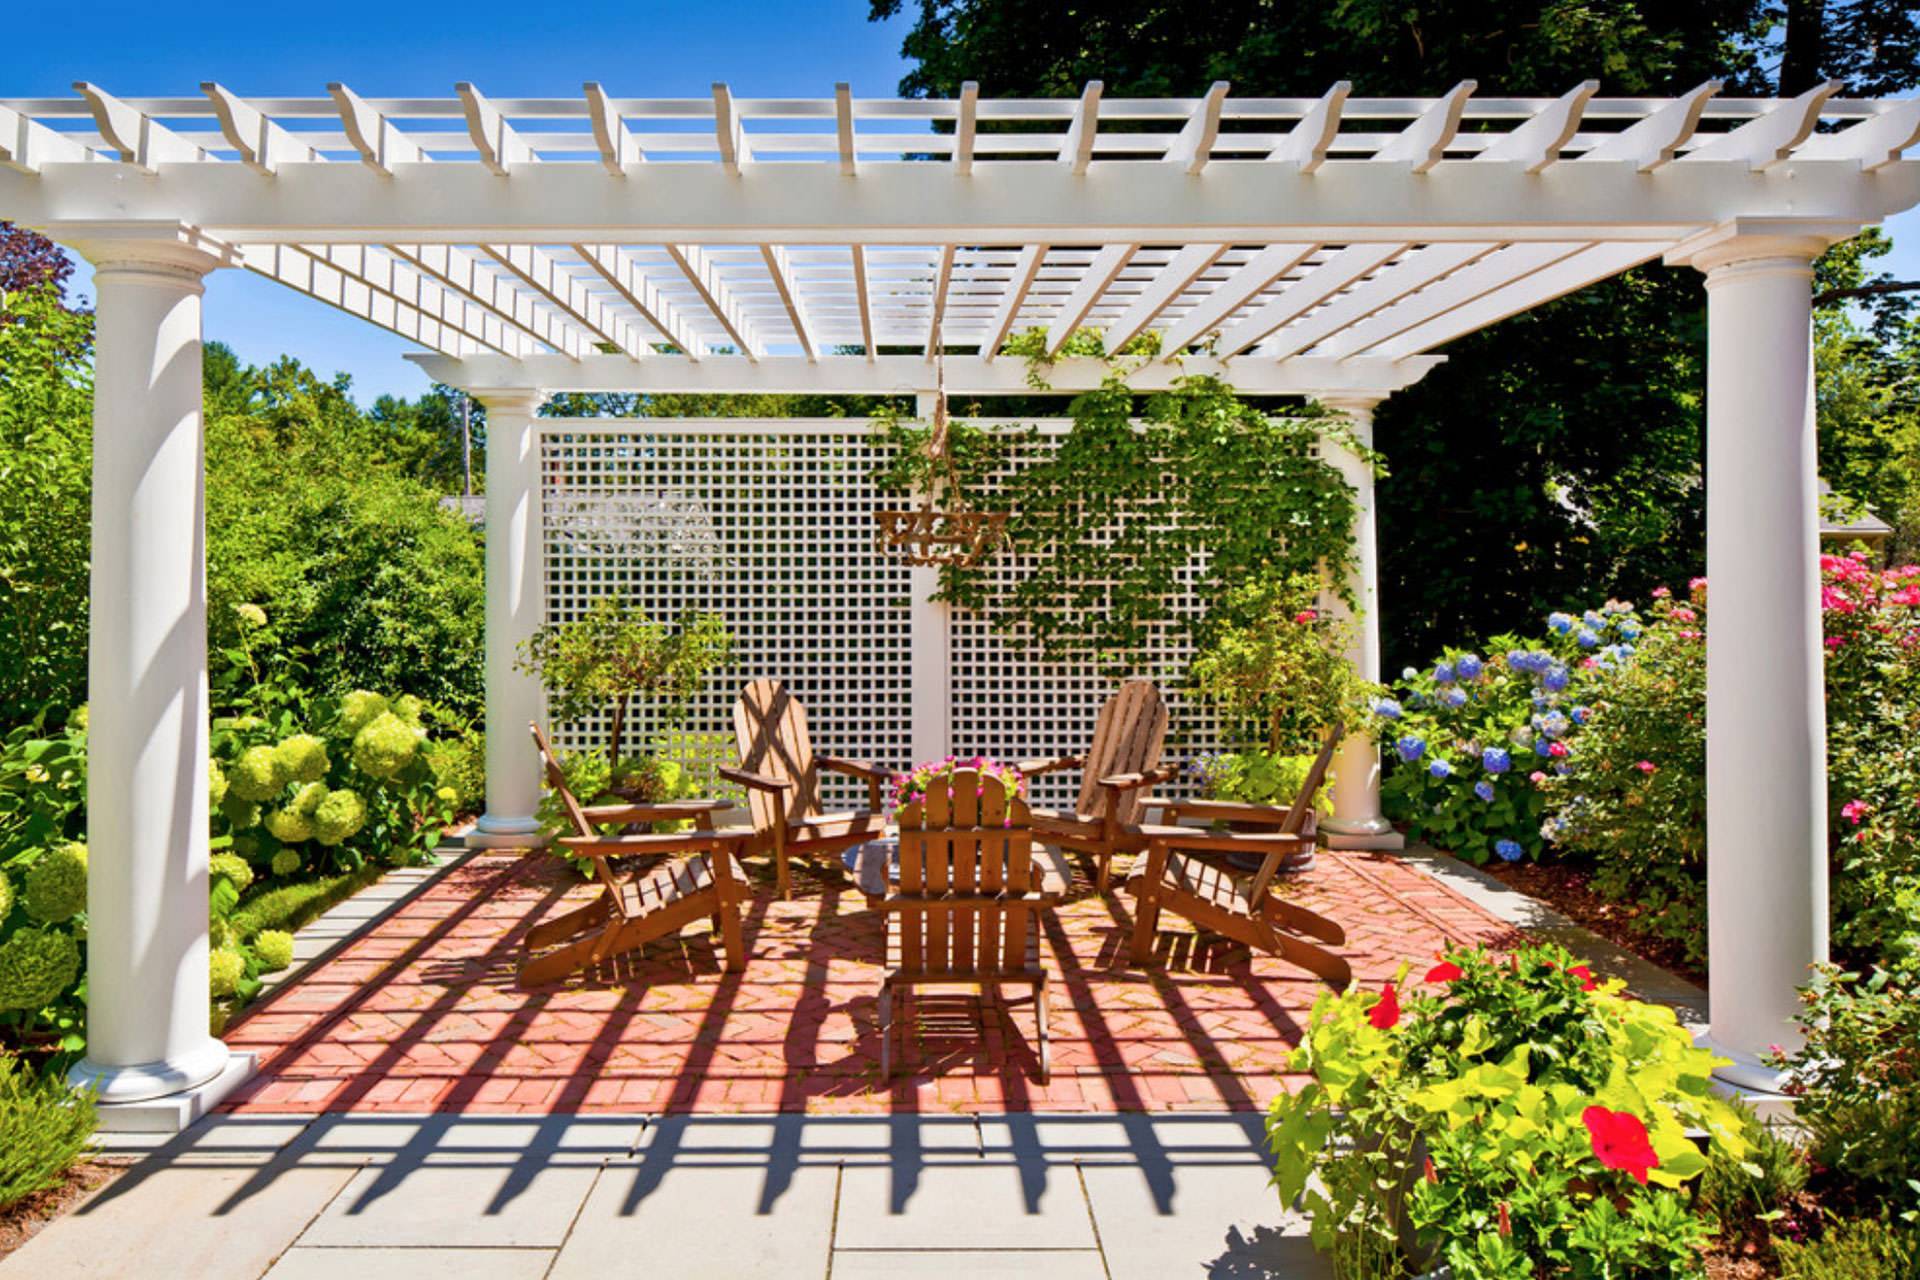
{"type": "Point", "coordinates": [147, 831]}
{"type": "Point", "coordinates": [1766, 704]}
{"type": "Point", "coordinates": [930, 627]}
{"type": "Point", "coordinates": [516, 605]}
{"type": "Point", "coordinates": [1356, 822]}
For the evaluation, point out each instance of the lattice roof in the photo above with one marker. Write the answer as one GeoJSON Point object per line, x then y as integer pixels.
{"type": "Point", "coordinates": [751, 244]}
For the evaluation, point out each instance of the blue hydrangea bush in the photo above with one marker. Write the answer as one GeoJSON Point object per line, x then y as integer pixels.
{"type": "Point", "coordinates": [1471, 739]}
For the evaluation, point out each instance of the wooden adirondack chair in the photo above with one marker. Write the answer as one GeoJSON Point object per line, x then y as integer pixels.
{"type": "Point", "coordinates": [1181, 871]}
{"type": "Point", "coordinates": [647, 905]}
{"type": "Point", "coordinates": [967, 908]}
{"type": "Point", "coordinates": [781, 773]}
{"type": "Point", "coordinates": [1117, 774]}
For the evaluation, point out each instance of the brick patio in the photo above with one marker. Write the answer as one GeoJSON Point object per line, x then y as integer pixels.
{"type": "Point", "coordinates": [421, 1013]}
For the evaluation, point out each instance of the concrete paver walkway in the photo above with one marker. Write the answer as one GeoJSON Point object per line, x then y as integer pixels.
{"type": "Point", "coordinates": [372, 1197]}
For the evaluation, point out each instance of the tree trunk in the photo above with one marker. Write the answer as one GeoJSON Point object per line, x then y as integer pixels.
{"type": "Point", "coordinates": [1803, 53]}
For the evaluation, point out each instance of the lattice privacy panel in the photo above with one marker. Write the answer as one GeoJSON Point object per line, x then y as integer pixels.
{"type": "Point", "coordinates": [1008, 703]}
{"type": "Point", "coordinates": [768, 524]}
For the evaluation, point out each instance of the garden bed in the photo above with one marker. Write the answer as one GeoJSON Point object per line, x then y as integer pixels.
{"type": "Point", "coordinates": [1569, 890]}
{"type": "Point", "coordinates": [23, 1219]}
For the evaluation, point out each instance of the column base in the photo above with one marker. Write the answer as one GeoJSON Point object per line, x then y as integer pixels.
{"type": "Point", "coordinates": [176, 1112]}
{"type": "Point", "coordinates": [1745, 1072]}
{"type": "Point", "coordinates": [505, 831]}
{"type": "Point", "coordinates": [1361, 833]}
{"type": "Point", "coordinates": [143, 1081]}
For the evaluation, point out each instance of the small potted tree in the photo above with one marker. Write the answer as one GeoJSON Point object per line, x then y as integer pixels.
{"type": "Point", "coordinates": [612, 655]}
{"type": "Point", "coordinates": [1274, 663]}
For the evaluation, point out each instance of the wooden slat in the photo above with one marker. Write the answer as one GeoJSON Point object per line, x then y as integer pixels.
{"type": "Point", "coordinates": [1596, 262]}
{"type": "Point", "coordinates": [1306, 147]}
{"type": "Point", "coordinates": [142, 141]}
{"type": "Point", "coordinates": [939, 857]}
{"type": "Point", "coordinates": [1771, 139]}
{"type": "Point", "coordinates": [1499, 269]}
{"type": "Point", "coordinates": [1411, 273]}
{"type": "Point", "coordinates": [619, 148]}
{"type": "Point", "coordinates": [843, 120]}
{"type": "Point", "coordinates": [1423, 144]}
{"type": "Point", "coordinates": [263, 145]}
{"type": "Point", "coordinates": [937, 309]}
{"type": "Point", "coordinates": [780, 268]}
{"type": "Point", "coordinates": [864, 297]}
{"type": "Point", "coordinates": [1076, 150]}
{"type": "Point", "coordinates": [379, 141]}
{"type": "Point", "coordinates": [1025, 268]}
{"type": "Point", "coordinates": [28, 145]}
{"type": "Point", "coordinates": [1185, 267]}
{"type": "Point", "coordinates": [970, 809]}
{"type": "Point", "coordinates": [1536, 144]}
{"type": "Point", "coordinates": [459, 271]}
{"type": "Point", "coordinates": [1107, 264]}
{"type": "Point", "coordinates": [537, 269]}
{"type": "Point", "coordinates": [1655, 140]}
{"type": "Point", "coordinates": [706, 281]}
{"type": "Point", "coordinates": [1193, 146]}
{"type": "Point", "coordinates": [1257, 274]}
{"type": "Point", "coordinates": [729, 134]}
{"type": "Point", "coordinates": [964, 126]}
{"type": "Point", "coordinates": [643, 295]}
{"type": "Point", "coordinates": [1875, 143]}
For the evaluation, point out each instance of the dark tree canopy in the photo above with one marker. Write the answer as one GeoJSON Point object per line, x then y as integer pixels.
{"type": "Point", "coordinates": [29, 260]}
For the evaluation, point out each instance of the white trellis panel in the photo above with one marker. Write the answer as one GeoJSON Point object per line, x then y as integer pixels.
{"type": "Point", "coordinates": [1009, 703]}
{"type": "Point", "coordinates": [768, 524]}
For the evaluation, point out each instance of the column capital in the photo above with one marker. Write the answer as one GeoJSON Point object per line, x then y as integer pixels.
{"type": "Point", "coordinates": [525, 399]}
{"type": "Point", "coordinates": [1755, 239]}
{"type": "Point", "coordinates": [170, 247]}
{"type": "Point", "coordinates": [1352, 403]}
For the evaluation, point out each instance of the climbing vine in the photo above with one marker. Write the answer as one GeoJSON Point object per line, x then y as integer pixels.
{"type": "Point", "coordinates": [1138, 492]}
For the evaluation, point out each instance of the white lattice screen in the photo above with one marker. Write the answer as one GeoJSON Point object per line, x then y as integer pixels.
{"type": "Point", "coordinates": [769, 524]}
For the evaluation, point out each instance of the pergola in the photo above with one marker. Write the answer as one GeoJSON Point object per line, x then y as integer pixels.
{"type": "Point", "coordinates": [1325, 247]}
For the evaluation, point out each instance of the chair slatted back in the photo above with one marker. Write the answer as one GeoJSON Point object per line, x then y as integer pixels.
{"type": "Point", "coordinates": [582, 829]}
{"type": "Point", "coordinates": [1127, 738]}
{"type": "Point", "coordinates": [1297, 815]}
{"type": "Point", "coordinates": [970, 839]}
{"type": "Point", "coordinates": [770, 734]}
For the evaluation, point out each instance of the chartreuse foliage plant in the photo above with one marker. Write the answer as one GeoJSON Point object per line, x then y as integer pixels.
{"type": "Point", "coordinates": [43, 882]}
{"type": "Point", "coordinates": [1505, 1116]}
{"type": "Point", "coordinates": [647, 779]}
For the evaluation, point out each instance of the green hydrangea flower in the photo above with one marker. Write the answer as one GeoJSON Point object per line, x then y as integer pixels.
{"type": "Point", "coordinates": [289, 827]}
{"type": "Point", "coordinates": [385, 746]}
{"type": "Point", "coordinates": [6, 897]}
{"type": "Point", "coordinates": [36, 966]}
{"type": "Point", "coordinates": [256, 775]}
{"type": "Point", "coordinates": [273, 948]}
{"type": "Point", "coordinates": [359, 709]}
{"type": "Point", "coordinates": [240, 813]}
{"type": "Point", "coordinates": [339, 816]}
{"type": "Point", "coordinates": [251, 614]}
{"type": "Point", "coordinates": [233, 867]}
{"type": "Point", "coordinates": [220, 933]}
{"type": "Point", "coordinates": [77, 719]}
{"type": "Point", "coordinates": [308, 798]}
{"type": "Point", "coordinates": [216, 783]}
{"type": "Point", "coordinates": [56, 884]}
{"type": "Point", "coordinates": [286, 862]}
{"type": "Point", "coordinates": [225, 969]}
{"type": "Point", "coordinates": [302, 758]}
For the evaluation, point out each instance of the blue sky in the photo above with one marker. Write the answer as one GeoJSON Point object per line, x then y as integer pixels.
{"type": "Point", "coordinates": [761, 47]}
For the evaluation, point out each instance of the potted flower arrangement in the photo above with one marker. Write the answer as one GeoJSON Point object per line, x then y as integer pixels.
{"type": "Point", "coordinates": [1506, 1118]}
{"type": "Point", "coordinates": [912, 787]}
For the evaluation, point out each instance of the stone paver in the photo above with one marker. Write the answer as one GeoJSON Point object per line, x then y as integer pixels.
{"type": "Point", "coordinates": [971, 1205]}
{"type": "Point", "coordinates": [420, 1013]}
{"type": "Point", "coordinates": [488, 1202]}
{"type": "Point", "coordinates": [410, 1264]}
{"type": "Point", "coordinates": [690, 1219]}
{"type": "Point", "coordinates": [1195, 1220]}
{"type": "Point", "coordinates": [1015, 1264]}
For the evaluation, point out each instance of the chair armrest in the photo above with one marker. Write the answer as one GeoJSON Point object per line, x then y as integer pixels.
{"type": "Point", "coordinates": [756, 781]}
{"type": "Point", "coordinates": [667, 811]}
{"type": "Point", "coordinates": [1034, 768]}
{"type": "Point", "coordinates": [654, 842]}
{"type": "Point", "coordinates": [1135, 781]}
{"type": "Point", "coordinates": [1224, 841]}
{"type": "Point", "coordinates": [855, 768]}
{"type": "Point", "coordinates": [1225, 811]}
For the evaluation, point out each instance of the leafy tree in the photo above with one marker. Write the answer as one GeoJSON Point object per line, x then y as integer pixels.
{"type": "Point", "coordinates": [28, 260]}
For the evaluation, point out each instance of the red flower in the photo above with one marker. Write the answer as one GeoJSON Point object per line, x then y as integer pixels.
{"type": "Point", "coordinates": [1620, 1141]}
{"type": "Point", "coordinates": [1587, 981]}
{"type": "Point", "coordinates": [1445, 971]}
{"type": "Point", "coordinates": [1386, 1010]}
{"type": "Point", "coordinates": [1305, 616]}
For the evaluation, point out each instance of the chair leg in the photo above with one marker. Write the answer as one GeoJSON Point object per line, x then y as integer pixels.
{"type": "Point", "coordinates": [1146, 921]}
{"type": "Point", "coordinates": [731, 938]}
{"type": "Point", "coordinates": [1046, 1043]}
{"type": "Point", "coordinates": [886, 1033]}
{"type": "Point", "coordinates": [1103, 870]}
{"type": "Point", "coordinates": [783, 876]}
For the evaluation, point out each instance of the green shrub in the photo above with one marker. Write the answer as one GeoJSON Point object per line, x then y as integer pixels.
{"type": "Point", "coordinates": [1507, 1117]}
{"type": "Point", "coordinates": [45, 1128]}
{"type": "Point", "coordinates": [273, 948]}
{"type": "Point", "coordinates": [1857, 1249]}
{"type": "Point", "coordinates": [1759, 1187]}
{"type": "Point", "coordinates": [1276, 665]}
{"type": "Point", "coordinates": [37, 967]}
{"type": "Point", "coordinates": [1258, 777]}
{"type": "Point", "coordinates": [461, 763]}
{"type": "Point", "coordinates": [56, 884]}
{"type": "Point", "coordinates": [1856, 1081]}
{"type": "Point", "coordinates": [650, 779]}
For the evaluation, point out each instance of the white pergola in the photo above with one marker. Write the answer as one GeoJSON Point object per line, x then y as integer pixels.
{"type": "Point", "coordinates": [1325, 247]}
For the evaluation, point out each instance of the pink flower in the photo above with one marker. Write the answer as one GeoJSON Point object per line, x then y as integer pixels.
{"type": "Point", "coordinates": [1305, 615]}
{"type": "Point", "coordinates": [1834, 642]}
{"type": "Point", "coordinates": [1661, 593]}
{"type": "Point", "coordinates": [1620, 1141]}
{"type": "Point", "coordinates": [1684, 614]}
{"type": "Point", "coordinates": [1536, 777]}
{"type": "Point", "coordinates": [1696, 584]}
{"type": "Point", "coordinates": [1852, 811]}
{"type": "Point", "coordinates": [1558, 750]}
{"type": "Point", "coordinates": [1386, 1010]}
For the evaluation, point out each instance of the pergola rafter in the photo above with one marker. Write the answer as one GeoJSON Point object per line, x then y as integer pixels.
{"type": "Point", "coordinates": [1327, 247]}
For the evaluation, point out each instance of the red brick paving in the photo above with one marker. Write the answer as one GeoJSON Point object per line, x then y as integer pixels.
{"type": "Point", "coordinates": [422, 1014]}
